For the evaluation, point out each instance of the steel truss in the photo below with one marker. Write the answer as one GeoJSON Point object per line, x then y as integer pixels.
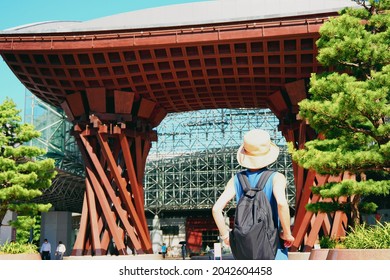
{"type": "Point", "coordinates": [195, 156]}
{"type": "Point", "coordinates": [55, 136]}
{"type": "Point", "coordinates": [67, 190]}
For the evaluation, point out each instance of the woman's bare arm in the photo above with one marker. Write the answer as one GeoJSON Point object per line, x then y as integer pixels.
{"type": "Point", "coordinates": [219, 205]}
{"type": "Point", "coordinates": [279, 191]}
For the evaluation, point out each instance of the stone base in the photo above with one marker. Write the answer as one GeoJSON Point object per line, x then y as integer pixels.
{"type": "Point", "coordinates": [20, 256]}
{"type": "Point", "coordinates": [298, 255]}
{"type": "Point", "coordinates": [358, 254]}
{"type": "Point", "coordinates": [318, 254]}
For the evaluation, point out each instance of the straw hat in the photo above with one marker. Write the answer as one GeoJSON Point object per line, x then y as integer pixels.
{"type": "Point", "coordinates": [257, 151]}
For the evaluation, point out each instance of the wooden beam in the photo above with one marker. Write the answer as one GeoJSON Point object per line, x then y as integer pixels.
{"type": "Point", "coordinates": [93, 218]}
{"type": "Point", "coordinates": [302, 228]}
{"type": "Point", "coordinates": [313, 235]}
{"type": "Point", "coordinates": [146, 108]}
{"type": "Point", "coordinates": [96, 100]}
{"type": "Point", "coordinates": [158, 115]}
{"type": "Point", "coordinates": [135, 188]}
{"type": "Point", "coordinates": [277, 104]}
{"type": "Point", "coordinates": [138, 158]}
{"type": "Point", "coordinates": [304, 199]}
{"type": "Point", "coordinates": [117, 206]}
{"type": "Point", "coordinates": [122, 187]}
{"type": "Point", "coordinates": [110, 216]}
{"type": "Point", "coordinates": [296, 92]}
{"type": "Point", "coordinates": [114, 199]}
{"type": "Point", "coordinates": [76, 104]}
{"type": "Point", "coordinates": [123, 101]}
{"type": "Point", "coordinates": [78, 246]}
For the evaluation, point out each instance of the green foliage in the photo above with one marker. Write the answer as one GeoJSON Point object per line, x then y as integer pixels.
{"type": "Point", "coordinates": [350, 107]}
{"type": "Point", "coordinates": [362, 236]}
{"type": "Point", "coordinates": [327, 243]}
{"type": "Point", "coordinates": [326, 207]}
{"type": "Point", "coordinates": [358, 40]}
{"type": "Point", "coordinates": [18, 248]}
{"type": "Point", "coordinates": [351, 187]}
{"type": "Point", "coordinates": [22, 177]}
{"type": "Point", "coordinates": [368, 207]}
{"type": "Point", "coordinates": [368, 237]}
{"type": "Point", "coordinates": [23, 226]}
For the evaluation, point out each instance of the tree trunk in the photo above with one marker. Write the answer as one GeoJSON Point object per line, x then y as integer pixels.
{"type": "Point", "coordinates": [355, 213]}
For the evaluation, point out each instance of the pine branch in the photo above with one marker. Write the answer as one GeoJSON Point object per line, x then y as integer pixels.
{"type": "Point", "coordinates": [351, 187]}
{"type": "Point", "coordinates": [348, 63]}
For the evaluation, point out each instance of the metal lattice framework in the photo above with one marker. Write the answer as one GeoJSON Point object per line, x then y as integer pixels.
{"type": "Point", "coordinates": [55, 134]}
{"type": "Point", "coordinates": [196, 155]}
{"type": "Point", "coordinates": [67, 190]}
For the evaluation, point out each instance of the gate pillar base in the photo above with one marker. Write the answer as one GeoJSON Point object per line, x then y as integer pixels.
{"type": "Point", "coordinates": [114, 132]}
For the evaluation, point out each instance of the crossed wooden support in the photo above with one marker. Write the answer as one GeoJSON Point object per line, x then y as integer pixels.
{"type": "Point", "coordinates": [114, 142]}
{"type": "Point", "coordinates": [307, 225]}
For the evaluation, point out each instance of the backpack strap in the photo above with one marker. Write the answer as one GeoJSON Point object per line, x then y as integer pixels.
{"type": "Point", "coordinates": [260, 184]}
{"type": "Point", "coordinates": [263, 179]}
{"type": "Point", "coordinates": [244, 181]}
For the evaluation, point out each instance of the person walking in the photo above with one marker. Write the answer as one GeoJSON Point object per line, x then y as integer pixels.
{"type": "Point", "coordinates": [164, 250]}
{"type": "Point", "coordinates": [45, 250]}
{"type": "Point", "coordinates": [255, 154]}
{"type": "Point", "coordinates": [60, 251]}
{"type": "Point", "coordinates": [183, 251]}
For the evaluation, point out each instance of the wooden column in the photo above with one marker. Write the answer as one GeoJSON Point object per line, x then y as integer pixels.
{"type": "Point", "coordinates": [114, 133]}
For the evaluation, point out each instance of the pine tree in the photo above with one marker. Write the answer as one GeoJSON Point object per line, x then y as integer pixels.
{"type": "Point", "coordinates": [22, 176]}
{"type": "Point", "coordinates": [350, 109]}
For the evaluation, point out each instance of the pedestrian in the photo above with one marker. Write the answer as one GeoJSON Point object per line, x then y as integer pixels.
{"type": "Point", "coordinates": [45, 250]}
{"type": "Point", "coordinates": [183, 251]}
{"type": "Point", "coordinates": [60, 251]}
{"type": "Point", "coordinates": [164, 250]}
{"type": "Point", "coordinates": [255, 154]}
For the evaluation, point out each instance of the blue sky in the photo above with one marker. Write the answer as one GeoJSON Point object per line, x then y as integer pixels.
{"type": "Point", "coordinates": [19, 12]}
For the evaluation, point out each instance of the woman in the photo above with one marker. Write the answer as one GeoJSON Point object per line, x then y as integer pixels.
{"type": "Point", "coordinates": [255, 154]}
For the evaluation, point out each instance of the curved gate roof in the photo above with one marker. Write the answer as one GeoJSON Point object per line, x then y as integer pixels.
{"type": "Point", "coordinates": [214, 54]}
{"type": "Point", "coordinates": [190, 14]}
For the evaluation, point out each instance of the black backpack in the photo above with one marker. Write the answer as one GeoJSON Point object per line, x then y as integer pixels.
{"type": "Point", "coordinates": [254, 236]}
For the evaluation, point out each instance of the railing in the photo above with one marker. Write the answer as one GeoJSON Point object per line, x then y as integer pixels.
{"type": "Point", "coordinates": [9, 41]}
